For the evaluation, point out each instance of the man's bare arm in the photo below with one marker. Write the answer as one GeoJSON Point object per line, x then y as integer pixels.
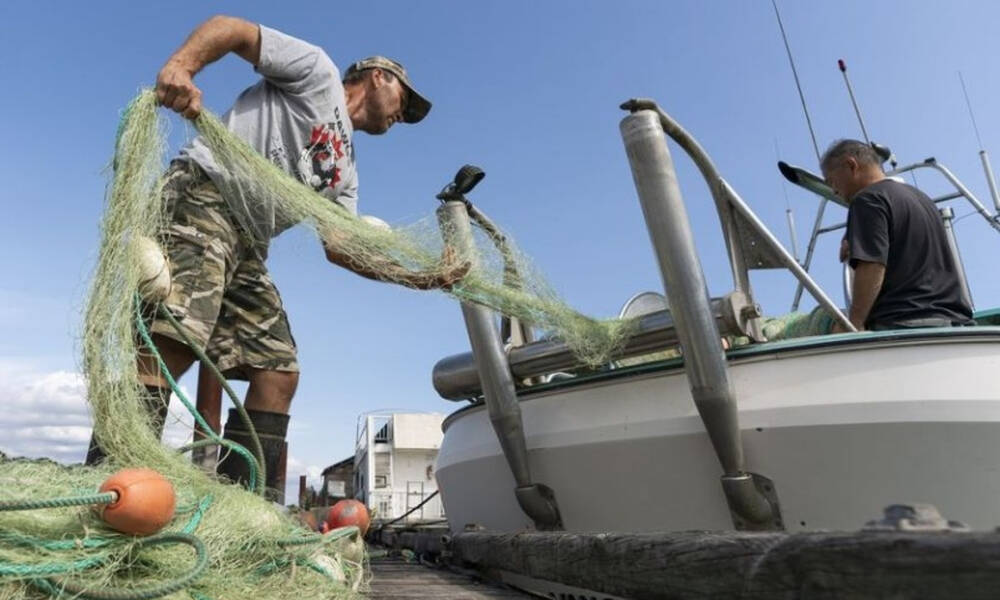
{"type": "Point", "coordinates": [868, 277]}
{"type": "Point", "coordinates": [383, 268]}
{"type": "Point", "coordinates": [209, 42]}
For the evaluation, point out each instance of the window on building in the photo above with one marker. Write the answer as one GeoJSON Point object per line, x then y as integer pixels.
{"type": "Point", "coordinates": [381, 481]}
{"type": "Point", "coordinates": [382, 434]}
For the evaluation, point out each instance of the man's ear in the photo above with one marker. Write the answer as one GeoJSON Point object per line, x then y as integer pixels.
{"type": "Point", "coordinates": [852, 164]}
{"type": "Point", "coordinates": [378, 78]}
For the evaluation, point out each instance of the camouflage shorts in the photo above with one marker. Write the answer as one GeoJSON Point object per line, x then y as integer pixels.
{"type": "Point", "coordinates": [221, 292]}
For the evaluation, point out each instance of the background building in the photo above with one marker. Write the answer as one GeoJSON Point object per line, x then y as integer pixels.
{"type": "Point", "coordinates": [394, 464]}
{"type": "Point", "coordinates": [338, 481]}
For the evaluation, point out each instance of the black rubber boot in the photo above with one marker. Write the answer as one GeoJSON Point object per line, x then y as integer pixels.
{"type": "Point", "coordinates": [156, 400]}
{"type": "Point", "coordinates": [271, 430]}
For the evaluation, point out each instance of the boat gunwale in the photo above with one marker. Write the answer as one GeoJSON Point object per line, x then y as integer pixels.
{"type": "Point", "coordinates": [782, 349]}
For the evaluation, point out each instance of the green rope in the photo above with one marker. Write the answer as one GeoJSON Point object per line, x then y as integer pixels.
{"type": "Point", "coordinates": [229, 444]}
{"type": "Point", "coordinates": [59, 588]}
{"type": "Point", "coordinates": [256, 468]}
{"type": "Point", "coordinates": [19, 539]}
{"type": "Point", "coordinates": [18, 570]}
{"type": "Point", "coordinates": [45, 569]}
{"type": "Point", "coordinates": [198, 514]}
{"type": "Point", "coordinates": [258, 450]}
{"type": "Point", "coordinates": [106, 498]}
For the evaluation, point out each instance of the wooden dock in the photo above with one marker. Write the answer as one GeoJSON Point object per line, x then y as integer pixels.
{"type": "Point", "coordinates": [395, 579]}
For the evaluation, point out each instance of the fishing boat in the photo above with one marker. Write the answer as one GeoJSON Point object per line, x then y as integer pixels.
{"type": "Point", "coordinates": [820, 432]}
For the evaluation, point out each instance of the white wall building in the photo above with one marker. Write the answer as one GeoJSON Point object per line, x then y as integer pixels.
{"type": "Point", "coordinates": [394, 464]}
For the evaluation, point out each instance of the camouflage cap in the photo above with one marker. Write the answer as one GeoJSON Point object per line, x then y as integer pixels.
{"type": "Point", "coordinates": [417, 107]}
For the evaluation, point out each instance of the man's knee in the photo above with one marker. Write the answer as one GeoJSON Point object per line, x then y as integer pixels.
{"type": "Point", "coordinates": [177, 356]}
{"type": "Point", "coordinates": [281, 382]}
{"type": "Point", "coordinates": [272, 390]}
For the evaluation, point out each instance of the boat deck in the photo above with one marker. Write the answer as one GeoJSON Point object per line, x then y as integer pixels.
{"type": "Point", "coordinates": [395, 578]}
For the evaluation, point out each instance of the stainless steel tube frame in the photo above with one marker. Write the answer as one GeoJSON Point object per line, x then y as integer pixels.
{"type": "Point", "coordinates": [947, 216]}
{"type": "Point", "coordinates": [810, 248]}
{"type": "Point", "coordinates": [741, 278]}
{"type": "Point", "coordinates": [705, 364]}
{"type": "Point", "coordinates": [990, 180]}
{"type": "Point", "coordinates": [931, 163]}
{"type": "Point", "coordinates": [537, 501]}
{"type": "Point", "coordinates": [456, 378]}
{"type": "Point", "coordinates": [787, 259]}
{"type": "Point", "coordinates": [670, 233]}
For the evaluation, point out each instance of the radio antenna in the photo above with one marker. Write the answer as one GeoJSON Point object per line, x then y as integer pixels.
{"type": "Point", "coordinates": [982, 151]}
{"type": "Point", "coordinates": [812, 134]}
{"type": "Point", "coordinates": [850, 91]}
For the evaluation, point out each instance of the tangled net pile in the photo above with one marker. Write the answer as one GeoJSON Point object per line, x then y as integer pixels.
{"type": "Point", "coordinates": [253, 549]}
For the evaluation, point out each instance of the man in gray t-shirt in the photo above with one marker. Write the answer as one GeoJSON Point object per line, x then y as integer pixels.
{"type": "Point", "coordinates": [302, 116]}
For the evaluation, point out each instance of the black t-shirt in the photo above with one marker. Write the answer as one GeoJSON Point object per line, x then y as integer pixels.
{"type": "Point", "coordinates": [897, 225]}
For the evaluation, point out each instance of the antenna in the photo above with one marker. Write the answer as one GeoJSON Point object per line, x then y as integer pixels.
{"type": "Point", "coordinates": [822, 203]}
{"type": "Point", "coordinates": [850, 91]}
{"type": "Point", "coordinates": [982, 151]}
{"type": "Point", "coordinates": [861, 121]}
{"type": "Point", "coordinates": [788, 209]}
{"type": "Point", "coordinates": [798, 85]}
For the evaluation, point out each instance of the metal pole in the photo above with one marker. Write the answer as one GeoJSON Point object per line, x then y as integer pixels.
{"type": "Point", "coordinates": [536, 500]}
{"type": "Point", "coordinates": [791, 232]}
{"type": "Point", "coordinates": [704, 361]}
{"type": "Point", "coordinates": [786, 258]}
{"type": "Point", "coordinates": [947, 216]}
{"type": "Point", "coordinates": [809, 251]}
{"type": "Point", "coordinates": [982, 151]}
{"type": "Point", "coordinates": [933, 164]}
{"type": "Point", "coordinates": [850, 92]}
{"type": "Point", "coordinates": [990, 180]}
{"type": "Point", "coordinates": [848, 277]}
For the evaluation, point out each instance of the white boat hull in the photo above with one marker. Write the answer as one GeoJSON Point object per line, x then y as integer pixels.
{"type": "Point", "coordinates": [842, 431]}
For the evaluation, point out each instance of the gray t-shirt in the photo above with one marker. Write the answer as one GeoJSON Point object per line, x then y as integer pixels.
{"type": "Point", "coordinates": [295, 116]}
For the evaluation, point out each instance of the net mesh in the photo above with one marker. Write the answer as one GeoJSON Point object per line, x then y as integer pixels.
{"type": "Point", "coordinates": [255, 549]}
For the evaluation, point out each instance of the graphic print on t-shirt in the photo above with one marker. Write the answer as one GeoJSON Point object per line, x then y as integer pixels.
{"type": "Point", "coordinates": [318, 162]}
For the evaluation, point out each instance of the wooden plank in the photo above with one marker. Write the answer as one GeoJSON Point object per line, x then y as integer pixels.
{"type": "Point", "coordinates": [395, 579]}
{"type": "Point", "coordinates": [748, 565]}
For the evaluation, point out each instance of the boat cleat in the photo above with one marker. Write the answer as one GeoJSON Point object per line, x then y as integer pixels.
{"type": "Point", "coordinates": [914, 517]}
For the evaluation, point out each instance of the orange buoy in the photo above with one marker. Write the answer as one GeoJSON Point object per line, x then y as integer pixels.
{"type": "Point", "coordinates": [347, 512]}
{"type": "Point", "coordinates": [145, 501]}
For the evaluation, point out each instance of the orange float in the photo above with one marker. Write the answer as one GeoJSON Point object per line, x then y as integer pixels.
{"type": "Point", "coordinates": [345, 513]}
{"type": "Point", "coordinates": [145, 501]}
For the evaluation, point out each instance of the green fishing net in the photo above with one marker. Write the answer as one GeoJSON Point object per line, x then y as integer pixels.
{"type": "Point", "coordinates": [253, 548]}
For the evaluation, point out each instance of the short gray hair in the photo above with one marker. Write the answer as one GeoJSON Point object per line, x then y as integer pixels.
{"type": "Point", "coordinates": [859, 151]}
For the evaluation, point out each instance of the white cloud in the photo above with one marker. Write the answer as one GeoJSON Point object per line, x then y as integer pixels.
{"type": "Point", "coordinates": [296, 468]}
{"type": "Point", "coordinates": [45, 413]}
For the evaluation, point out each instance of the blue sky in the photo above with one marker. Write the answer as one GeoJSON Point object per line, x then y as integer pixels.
{"type": "Point", "coordinates": [527, 90]}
